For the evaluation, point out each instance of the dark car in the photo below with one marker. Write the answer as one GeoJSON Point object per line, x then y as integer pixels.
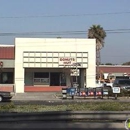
{"type": "Point", "coordinates": [5, 95]}
{"type": "Point", "coordinates": [122, 83]}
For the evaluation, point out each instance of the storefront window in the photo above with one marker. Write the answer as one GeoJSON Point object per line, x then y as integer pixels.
{"type": "Point", "coordinates": [41, 75]}
{"type": "Point", "coordinates": [41, 78]}
{"type": "Point", "coordinates": [54, 79]}
{"type": "Point", "coordinates": [6, 78]}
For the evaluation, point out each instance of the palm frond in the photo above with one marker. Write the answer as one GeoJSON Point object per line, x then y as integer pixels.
{"type": "Point", "coordinates": [97, 32]}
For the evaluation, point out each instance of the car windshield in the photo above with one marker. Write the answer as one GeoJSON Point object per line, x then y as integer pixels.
{"type": "Point", "coordinates": [124, 82]}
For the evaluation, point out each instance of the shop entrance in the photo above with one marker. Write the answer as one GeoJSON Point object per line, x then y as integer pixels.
{"type": "Point", "coordinates": [54, 79]}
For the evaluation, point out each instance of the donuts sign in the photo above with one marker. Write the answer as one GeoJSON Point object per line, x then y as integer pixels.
{"type": "Point", "coordinates": [66, 60]}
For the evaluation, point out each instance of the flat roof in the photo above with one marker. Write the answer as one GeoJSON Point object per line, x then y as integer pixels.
{"type": "Point", "coordinates": [6, 45]}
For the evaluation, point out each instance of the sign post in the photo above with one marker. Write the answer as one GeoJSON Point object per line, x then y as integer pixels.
{"type": "Point", "coordinates": [76, 65]}
{"type": "Point", "coordinates": [116, 90]}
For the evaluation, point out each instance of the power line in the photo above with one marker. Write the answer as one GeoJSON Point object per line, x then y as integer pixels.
{"type": "Point", "coordinates": [64, 15]}
{"type": "Point", "coordinates": [114, 31]}
{"type": "Point", "coordinates": [122, 29]}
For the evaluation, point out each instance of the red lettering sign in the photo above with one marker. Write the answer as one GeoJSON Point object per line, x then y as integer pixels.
{"type": "Point", "coordinates": [66, 60]}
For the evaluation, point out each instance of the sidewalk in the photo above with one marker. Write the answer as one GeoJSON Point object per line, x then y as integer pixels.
{"type": "Point", "coordinates": [57, 96]}
{"type": "Point", "coordinates": [44, 96]}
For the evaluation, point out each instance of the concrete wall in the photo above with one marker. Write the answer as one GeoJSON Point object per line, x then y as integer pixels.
{"type": "Point", "coordinates": [54, 45]}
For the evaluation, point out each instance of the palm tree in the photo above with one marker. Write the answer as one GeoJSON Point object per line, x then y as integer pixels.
{"type": "Point", "coordinates": [97, 32]}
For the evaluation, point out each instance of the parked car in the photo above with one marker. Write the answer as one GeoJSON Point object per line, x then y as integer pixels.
{"type": "Point", "coordinates": [5, 95]}
{"type": "Point", "coordinates": [104, 84]}
{"type": "Point", "coordinates": [109, 85]}
{"type": "Point", "coordinates": [99, 84]}
{"type": "Point", "coordinates": [122, 83]}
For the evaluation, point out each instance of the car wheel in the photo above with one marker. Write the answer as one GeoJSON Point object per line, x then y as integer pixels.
{"type": "Point", "coordinates": [1, 98]}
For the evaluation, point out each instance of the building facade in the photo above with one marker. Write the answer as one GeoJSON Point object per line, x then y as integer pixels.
{"type": "Point", "coordinates": [114, 71]}
{"type": "Point", "coordinates": [48, 64]}
{"type": "Point", "coordinates": [7, 58]}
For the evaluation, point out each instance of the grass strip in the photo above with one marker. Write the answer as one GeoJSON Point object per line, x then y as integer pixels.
{"type": "Point", "coordinates": [83, 106]}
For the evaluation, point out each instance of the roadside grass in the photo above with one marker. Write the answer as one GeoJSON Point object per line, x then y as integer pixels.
{"type": "Point", "coordinates": [88, 106]}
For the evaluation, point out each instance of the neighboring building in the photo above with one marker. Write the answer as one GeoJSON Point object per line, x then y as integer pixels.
{"type": "Point", "coordinates": [113, 71]}
{"type": "Point", "coordinates": [7, 57]}
{"type": "Point", "coordinates": [47, 64]}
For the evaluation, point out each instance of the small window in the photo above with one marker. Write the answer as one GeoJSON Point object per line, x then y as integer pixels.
{"type": "Point", "coordinates": [41, 75]}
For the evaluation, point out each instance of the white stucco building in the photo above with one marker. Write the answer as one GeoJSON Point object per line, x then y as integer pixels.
{"type": "Point", "coordinates": [43, 64]}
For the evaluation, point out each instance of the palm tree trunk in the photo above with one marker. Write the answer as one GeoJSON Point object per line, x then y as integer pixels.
{"type": "Point", "coordinates": [98, 61]}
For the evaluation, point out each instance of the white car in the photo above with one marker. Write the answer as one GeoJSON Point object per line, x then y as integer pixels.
{"type": "Point", "coordinates": [104, 84]}
{"type": "Point", "coordinates": [99, 84]}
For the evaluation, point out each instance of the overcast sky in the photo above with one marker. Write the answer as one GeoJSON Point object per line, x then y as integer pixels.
{"type": "Point", "coordinates": [69, 19]}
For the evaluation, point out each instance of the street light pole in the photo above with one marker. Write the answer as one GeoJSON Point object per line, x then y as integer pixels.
{"type": "Point", "coordinates": [1, 65]}
{"type": "Point", "coordinates": [76, 73]}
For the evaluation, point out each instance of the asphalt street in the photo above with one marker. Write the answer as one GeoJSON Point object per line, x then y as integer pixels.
{"type": "Point", "coordinates": [61, 126]}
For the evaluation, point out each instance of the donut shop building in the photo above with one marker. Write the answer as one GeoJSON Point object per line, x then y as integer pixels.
{"type": "Point", "coordinates": [47, 64]}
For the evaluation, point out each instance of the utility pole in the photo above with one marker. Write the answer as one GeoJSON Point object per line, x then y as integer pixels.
{"type": "Point", "coordinates": [1, 66]}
